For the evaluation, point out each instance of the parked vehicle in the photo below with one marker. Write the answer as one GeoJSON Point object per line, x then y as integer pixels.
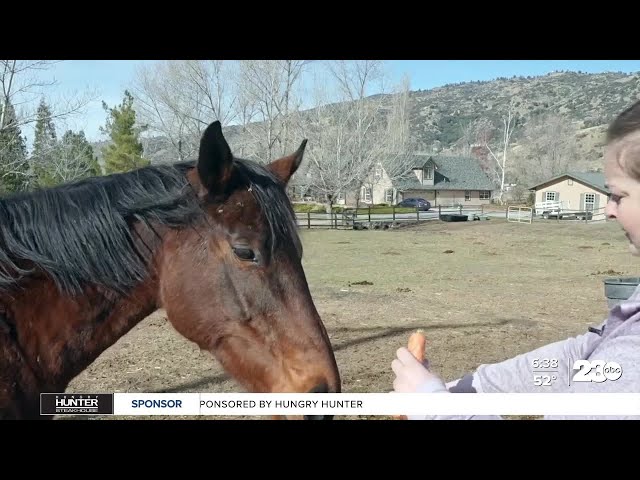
{"type": "Point", "coordinates": [419, 203]}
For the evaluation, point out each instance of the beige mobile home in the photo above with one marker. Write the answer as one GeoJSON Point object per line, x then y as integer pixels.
{"type": "Point", "coordinates": [575, 192]}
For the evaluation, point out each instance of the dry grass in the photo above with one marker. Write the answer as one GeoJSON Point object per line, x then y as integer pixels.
{"type": "Point", "coordinates": [503, 289]}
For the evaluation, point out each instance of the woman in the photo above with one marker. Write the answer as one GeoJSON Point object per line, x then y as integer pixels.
{"type": "Point", "coordinates": [617, 339]}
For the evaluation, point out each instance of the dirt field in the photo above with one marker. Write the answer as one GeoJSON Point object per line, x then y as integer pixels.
{"type": "Point", "coordinates": [483, 291]}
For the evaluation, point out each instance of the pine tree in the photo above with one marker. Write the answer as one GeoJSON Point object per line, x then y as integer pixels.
{"type": "Point", "coordinates": [44, 145]}
{"type": "Point", "coordinates": [14, 166]}
{"type": "Point", "coordinates": [82, 152]}
{"type": "Point", "coordinates": [125, 151]}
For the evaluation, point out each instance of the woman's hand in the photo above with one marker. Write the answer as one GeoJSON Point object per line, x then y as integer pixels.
{"type": "Point", "coordinates": [413, 376]}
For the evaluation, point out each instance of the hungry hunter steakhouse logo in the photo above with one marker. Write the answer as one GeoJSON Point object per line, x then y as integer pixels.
{"type": "Point", "coordinates": [61, 403]}
{"type": "Point", "coordinates": [85, 402]}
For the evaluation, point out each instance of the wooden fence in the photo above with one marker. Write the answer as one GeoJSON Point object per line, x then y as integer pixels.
{"type": "Point", "coordinates": [371, 217]}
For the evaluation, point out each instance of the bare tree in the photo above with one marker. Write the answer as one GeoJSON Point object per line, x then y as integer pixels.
{"type": "Point", "coordinates": [483, 133]}
{"type": "Point", "coordinates": [483, 130]}
{"type": "Point", "coordinates": [356, 138]}
{"type": "Point", "coordinates": [246, 112]}
{"type": "Point", "coordinates": [22, 85]}
{"type": "Point", "coordinates": [72, 159]}
{"type": "Point", "coordinates": [501, 147]}
{"type": "Point", "coordinates": [398, 146]}
{"type": "Point", "coordinates": [390, 146]}
{"type": "Point", "coordinates": [547, 148]}
{"type": "Point", "coordinates": [467, 137]}
{"type": "Point", "coordinates": [159, 109]}
{"type": "Point", "coordinates": [356, 81]}
{"type": "Point", "coordinates": [290, 104]}
{"type": "Point", "coordinates": [179, 98]}
{"type": "Point", "coordinates": [330, 167]}
{"type": "Point", "coordinates": [269, 88]}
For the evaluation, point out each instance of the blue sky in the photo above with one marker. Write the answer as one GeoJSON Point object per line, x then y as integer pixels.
{"type": "Point", "coordinates": [426, 74]}
{"type": "Point", "coordinates": [109, 78]}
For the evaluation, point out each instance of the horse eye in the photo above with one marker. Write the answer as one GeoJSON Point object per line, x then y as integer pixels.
{"type": "Point", "coordinates": [244, 253]}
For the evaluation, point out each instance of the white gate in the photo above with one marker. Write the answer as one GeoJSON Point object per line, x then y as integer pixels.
{"type": "Point", "coordinates": [519, 214]}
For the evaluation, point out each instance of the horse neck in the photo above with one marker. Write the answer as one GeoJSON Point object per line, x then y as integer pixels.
{"type": "Point", "coordinates": [57, 336]}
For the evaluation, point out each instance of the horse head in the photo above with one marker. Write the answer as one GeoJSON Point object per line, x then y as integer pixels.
{"type": "Point", "coordinates": [234, 283]}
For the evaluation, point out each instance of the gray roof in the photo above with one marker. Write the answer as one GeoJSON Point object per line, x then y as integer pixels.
{"type": "Point", "coordinates": [452, 173]}
{"type": "Point", "coordinates": [593, 179]}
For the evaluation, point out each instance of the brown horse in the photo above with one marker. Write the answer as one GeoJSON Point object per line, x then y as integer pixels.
{"type": "Point", "coordinates": [213, 242]}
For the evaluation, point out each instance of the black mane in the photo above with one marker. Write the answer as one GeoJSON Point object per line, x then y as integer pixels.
{"type": "Point", "coordinates": [82, 233]}
{"type": "Point", "coordinates": [271, 196]}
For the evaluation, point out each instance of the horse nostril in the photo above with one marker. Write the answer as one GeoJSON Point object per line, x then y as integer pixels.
{"type": "Point", "coordinates": [321, 388]}
{"type": "Point", "coordinates": [318, 417]}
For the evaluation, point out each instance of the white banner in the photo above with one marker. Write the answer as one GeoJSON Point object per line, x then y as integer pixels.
{"type": "Point", "coordinates": [376, 404]}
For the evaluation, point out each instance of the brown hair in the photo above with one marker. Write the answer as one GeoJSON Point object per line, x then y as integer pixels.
{"type": "Point", "coordinates": [621, 128]}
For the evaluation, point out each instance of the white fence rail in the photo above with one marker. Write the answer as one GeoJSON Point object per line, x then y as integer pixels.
{"type": "Point", "coordinates": [552, 206]}
{"type": "Point", "coordinates": [519, 214]}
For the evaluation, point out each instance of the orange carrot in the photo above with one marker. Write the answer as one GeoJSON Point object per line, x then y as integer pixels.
{"type": "Point", "coordinates": [417, 345]}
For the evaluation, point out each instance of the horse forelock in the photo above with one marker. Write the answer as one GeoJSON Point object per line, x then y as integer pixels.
{"type": "Point", "coordinates": [270, 195]}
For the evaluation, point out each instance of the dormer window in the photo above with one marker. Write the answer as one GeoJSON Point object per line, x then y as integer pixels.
{"type": "Point", "coordinates": [428, 173]}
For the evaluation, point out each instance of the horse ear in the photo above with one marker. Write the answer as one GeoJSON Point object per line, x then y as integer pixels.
{"type": "Point", "coordinates": [215, 160]}
{"type": "Point", "coordinates": [286, 166]}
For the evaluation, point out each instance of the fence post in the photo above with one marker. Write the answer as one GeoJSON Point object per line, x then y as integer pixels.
{"type": "Point", "coordinates": [309, 220]}
{"type": "Point", "coordinates": [460, 209]}
{"type": "Point", "coordinates": [482, 209]}
{"type": "Point", "coordinates": [417, 214]}
{"type": "Point", "coordinates": [394, 212]}
{"type": "Point", "coordinates": [369, 210]}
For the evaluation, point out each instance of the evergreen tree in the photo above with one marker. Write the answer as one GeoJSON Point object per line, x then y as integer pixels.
{"type": "Point", "coordinates": [44, 145]}
{"type": "Point", "coordinates": [14, 166]}
{"type": "Point", "coordinates": [125, 151]}
{"type": "Point", "coordinates": [82, 152]}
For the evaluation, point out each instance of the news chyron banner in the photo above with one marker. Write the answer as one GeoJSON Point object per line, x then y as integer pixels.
{"type": "Point", "coordinates": [339, 404]}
